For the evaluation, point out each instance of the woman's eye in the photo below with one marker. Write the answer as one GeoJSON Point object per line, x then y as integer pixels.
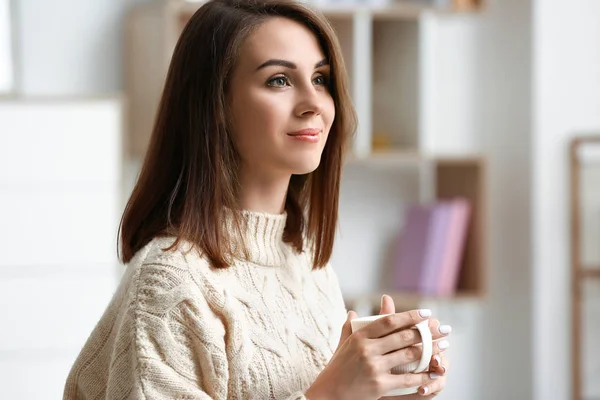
{"type": "Point", "coordinates": [321, 80]}
{"type": "Point", "coordinates": [278, 81]}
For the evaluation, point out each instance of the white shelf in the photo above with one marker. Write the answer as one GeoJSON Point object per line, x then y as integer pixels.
{"type": "Point", "coordinates": [399, 11]}
{"type": "Point", "coordinates": [380, 10]}
{"type": "Point", "coordinates": [392, 10]}
{"type": "Point", "coordinates": [406, 299]}
{"type": "Point", "coordinates": [389, 159]}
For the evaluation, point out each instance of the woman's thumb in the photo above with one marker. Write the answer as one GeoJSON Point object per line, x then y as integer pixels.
{"type": "Point", "coordinates": [347, 328]}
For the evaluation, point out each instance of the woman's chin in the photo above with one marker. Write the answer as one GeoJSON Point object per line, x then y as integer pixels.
{"type": "Point", "coordinates": [305, 167]}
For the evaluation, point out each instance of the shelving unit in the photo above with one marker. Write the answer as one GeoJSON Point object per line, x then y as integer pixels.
{"type": "Point", "coordinates": [438, 178]}
{"type": "Point", "coordinates": [390, 52]}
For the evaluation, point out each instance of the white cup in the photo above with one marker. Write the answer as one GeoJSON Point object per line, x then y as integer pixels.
{"type": "Point", "coordinates": [413, 367]}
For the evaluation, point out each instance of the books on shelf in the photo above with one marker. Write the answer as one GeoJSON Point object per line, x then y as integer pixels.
{"type": "Point", "coordinates": [431, 247]}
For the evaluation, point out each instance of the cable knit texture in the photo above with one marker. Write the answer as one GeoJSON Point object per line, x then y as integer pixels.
{"type": "Point", "coordinates": [178, 329]}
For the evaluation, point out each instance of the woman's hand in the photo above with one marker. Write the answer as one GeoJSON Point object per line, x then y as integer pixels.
{"type": "Point", "coordinates": [438, 365]}
{"type": "Point", "coordinates": [360, 367]}
{"type": "Point", "coordinates": [432, 389]}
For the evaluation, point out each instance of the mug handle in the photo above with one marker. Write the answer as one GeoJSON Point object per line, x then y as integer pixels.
{"type": "Point", "coordinates": [427, 348]}
{"type": "Point", "coordinates": [427, 341]}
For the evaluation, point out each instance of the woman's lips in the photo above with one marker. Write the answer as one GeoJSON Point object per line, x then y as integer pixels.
{"type": "Point", "coordinates": [306, 135]}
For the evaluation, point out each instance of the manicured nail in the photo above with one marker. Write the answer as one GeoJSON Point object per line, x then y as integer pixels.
{"type": "Point", "coordinates": [433, 375]}
{"type": "Point", "coordinates": [423, 390]}
{"type": "Point", "coordinates": [436, 361]}
{"type": "Point", "coordinates": [443, 370]}
{"type": "Point", "coordinates": [425, 312]}
{"type": "Point", "coordinates": [443, 344]}
{"type": "Point", "coordinates": [445, 329]}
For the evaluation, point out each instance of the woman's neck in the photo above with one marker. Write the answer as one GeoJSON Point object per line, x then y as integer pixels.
{"type": "Point", "coordinates": [261, 194]}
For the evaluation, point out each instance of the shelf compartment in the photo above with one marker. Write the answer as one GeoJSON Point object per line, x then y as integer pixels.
{"type": "Point", "coordinates": [344, 29]}
{"type": "Point", "coordinates": [396, 85]}
{"type": "Point", "coordinates": [465, 177]}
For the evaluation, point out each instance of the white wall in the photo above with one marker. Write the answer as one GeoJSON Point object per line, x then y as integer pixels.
{"type": "Point", "coordinates": [69, 47]}
{"type": "Point", "coordinates": [60, 196]}
{"type": "Point", "coordinates": [566, 103]}
{"type": "Point", "coordinates": [60, 190]}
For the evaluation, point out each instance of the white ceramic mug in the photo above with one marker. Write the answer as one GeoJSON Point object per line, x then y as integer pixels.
{"type": "Point", "coordinates": [413, 367]}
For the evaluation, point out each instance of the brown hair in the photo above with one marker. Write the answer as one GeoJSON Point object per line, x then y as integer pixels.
{"type": "Point", "coordinates": [188, 178]}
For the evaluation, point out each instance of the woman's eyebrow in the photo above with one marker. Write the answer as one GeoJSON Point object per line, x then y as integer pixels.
{"type": "Point", "coordinates": [288, 64]}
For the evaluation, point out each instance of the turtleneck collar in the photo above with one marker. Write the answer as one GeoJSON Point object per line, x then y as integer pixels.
{"type": "Point", "coordinates": [262, 234]}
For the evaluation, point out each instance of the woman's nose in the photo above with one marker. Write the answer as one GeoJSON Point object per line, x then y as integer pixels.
{"type": "Point", "coordinates": [310, 101]}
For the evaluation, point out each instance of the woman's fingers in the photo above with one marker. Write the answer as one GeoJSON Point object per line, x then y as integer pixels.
{"type": "Point", "coordinates": [409, 337]}
{"type": "Point", "coordinates": [435, 362]}
{"type": "Point", "coordinates": [434, 387]}
{"type": "Point", "coordinates": [438, 368]}
{"type": "Point", "coordinates": [387, 305]}
{"type": "Point", "coordinates": [438, 364]}
{"type": "Point", "coordinates": [444, 365]}
{"type": "Point", "coordinates": [409, 380]}
{"type": "Point", "coordinates": [394, 322]}
{"type": "Point", "coordinates": [429, 383]}
{"type": "Point", "coordinates": [438, 330]}
{"type": "Point", "coordinates": [410, 354]}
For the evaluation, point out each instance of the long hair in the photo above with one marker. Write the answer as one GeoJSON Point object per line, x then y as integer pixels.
{"type": "Point", "coordinates": [188, 180]}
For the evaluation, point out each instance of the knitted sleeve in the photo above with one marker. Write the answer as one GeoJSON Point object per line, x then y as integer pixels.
{"type": "Point", "coordinates": [172, 358]}
{"type": "Point", "coordinates": [178, 343]}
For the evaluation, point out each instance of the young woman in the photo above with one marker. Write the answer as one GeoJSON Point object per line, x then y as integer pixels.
{"type": "Point", "coordinates": [228, 293]}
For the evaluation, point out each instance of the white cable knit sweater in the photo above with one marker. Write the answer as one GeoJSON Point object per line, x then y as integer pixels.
{"type": "Point", "coordinates": [178, 329]}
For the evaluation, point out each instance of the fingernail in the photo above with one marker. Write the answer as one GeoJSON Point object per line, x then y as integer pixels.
{"type": "Point", "coordinates": [436, 361]}
{"type": "Point", "coordinates": [445, 329]}
{"type": "Point", "coordinates": [425, 312]}
{"type": "Point", "coordinates": [443, 344]}
{"type": "Point", "coordinates": [423, 390]}
{"type": "Point", "coordinates": [382, 301]}
{"type": "Point", "coordinates": [443, 370]}
{"type": "Point", "coordinates": [433, 375]}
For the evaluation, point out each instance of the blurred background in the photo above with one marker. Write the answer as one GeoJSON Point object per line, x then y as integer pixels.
{"type": "Point", "coordinates": [473, 187]}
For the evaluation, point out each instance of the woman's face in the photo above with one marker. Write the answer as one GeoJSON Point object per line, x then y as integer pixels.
{"type": "Point", "coordinates": [279, 100]}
